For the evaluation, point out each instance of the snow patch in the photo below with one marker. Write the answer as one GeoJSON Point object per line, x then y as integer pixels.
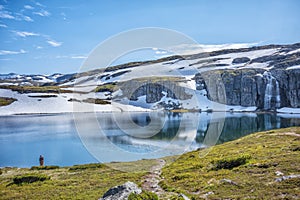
{"type": "Point", "coordinates": [289, 110]}
{"type": "Point", "coordinates": [293, 67]}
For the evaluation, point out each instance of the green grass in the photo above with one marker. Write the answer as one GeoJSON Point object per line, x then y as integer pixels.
{"type": "Point", "coordinates": [87, 166]}
{"type": "Point", "coordinates": [48, 167]}
{"type": "Point", "coordinates": [240, 169]}
{"type": "Point", "coordinates": [109, 87]}
{"type": "Point", "coordinates": [96, 101]}
{"type": "Point", "coordinates": [156, 79]}
{"type": "Point", "coordinates": [42, 96]}
{"type": "Point", "coordinates": [143, 196]}
{"type": "Point", "coordinates": [91, 100]}
{"type": "Point", "coordinates": [29, 178]}
{"type": "Point", "coordinates": [36, 89]}
{"type": "Point", "coordinates": [250, 162]}
{"type": "Point", "coordinates": [230, 163]}
{"type": "Point", "coordinates": [5, 101]}
{"type": "Point", "coordinates": [89, 181]}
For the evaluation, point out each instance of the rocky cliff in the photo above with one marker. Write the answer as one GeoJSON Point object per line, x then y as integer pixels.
{"type": "Point", "coordinates": [265, 89]}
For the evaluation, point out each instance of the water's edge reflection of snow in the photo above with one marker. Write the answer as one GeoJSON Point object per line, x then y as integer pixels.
{"type": "Point", "coordinates": [109, 137]}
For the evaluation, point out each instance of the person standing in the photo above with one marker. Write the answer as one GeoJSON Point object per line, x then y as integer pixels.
{"type": "Point", "coordinates": [41, 159]}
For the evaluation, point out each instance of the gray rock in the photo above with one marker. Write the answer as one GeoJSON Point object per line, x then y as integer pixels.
{"type": "Point", "coordinates": [228, 181]}
{"type": "Point", "coordinates": [279, 173]}
{"type": "Point", "coordinates": [289, 83]}
{"type": "Point", "coordinates": [287, 177]}
{"type": "Point", "coordinates": [183, 196]}
{"type": "Point", "coordinates": [154, 89]}
{"type": "Point", "coordinates": [121, 192]}
{"type": "Point", "coordinates": [267, 90]}
{"type": "Point", "coordinates": [208, 193]}
{"type": "Point", "coordinates": [240, 60]}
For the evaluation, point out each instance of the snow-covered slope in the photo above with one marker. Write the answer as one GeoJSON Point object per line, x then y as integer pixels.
{"type": "Point", "coordinates": [169, 83]}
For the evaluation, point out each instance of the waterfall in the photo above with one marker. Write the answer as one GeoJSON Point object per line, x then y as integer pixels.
{"type": "Point", "coordinates": [277, 95]}
{"type": "Point", "coordinates": [272, 93]}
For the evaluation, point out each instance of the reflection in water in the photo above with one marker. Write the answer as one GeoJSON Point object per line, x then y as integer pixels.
{"type": "Point", "coordinates": [122, 136]}
{"type": "Point", "coordinates": [233, 125]}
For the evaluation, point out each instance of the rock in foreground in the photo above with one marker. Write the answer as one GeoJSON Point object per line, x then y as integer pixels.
{"type": "Point", "coordinates": [121, 192]}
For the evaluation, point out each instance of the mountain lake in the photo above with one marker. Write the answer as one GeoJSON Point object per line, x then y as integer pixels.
{"type": "Point", "coordinates": [69, 139]}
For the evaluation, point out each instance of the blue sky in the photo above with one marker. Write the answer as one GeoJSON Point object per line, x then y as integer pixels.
{"type": "Point", "coordinates": [39, 36]}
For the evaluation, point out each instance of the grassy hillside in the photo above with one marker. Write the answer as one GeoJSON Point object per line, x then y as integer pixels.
{"type": "Point", "coordinates": [5, 101]}
{"type": "Point", "coordinates": [36, 89]}
{"type": "Point", "coordinates": [89, 181]}
{"type": "Point", "coordinates": [246, 168]}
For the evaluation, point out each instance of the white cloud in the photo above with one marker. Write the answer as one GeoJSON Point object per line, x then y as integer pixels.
{"type": "Point", "coordinates": [6, 15]}
{"type": "Point", "coordinates": [28, 7]}
{"type": "Point", "coordinates": [39, 47]}
{"type": "Point", "coordinates": [71, 57]}
{"type": "Point", "coordinates": [39, 4]}
{"type": "Point", "coordinates": [161, 52]}
{"type": "Point", "coordinates": [28, 19]}
{"type": "Point", "coordinates": [25, 33]}
{"type": "Point", "coordinates": [63, 15]}
{"type": "Point", "coordinates": [42, 13]}
{"type": "Point", "coordinates": [200, 48]}
{"type": "Point", "coordinates": [79, 57]}
{"type": "Point", "coordinates": [54, 43]}
{"type": "Point", "coordinates": [59, 57]}
{"type": "Point", "coordinates": [3, 26]}
{"type": "Point", "coordinates": [7, 52]}
{"type": "Point", "coordinates": [15, 16]}
{"type": "Point", "coordinates": [21, 17]}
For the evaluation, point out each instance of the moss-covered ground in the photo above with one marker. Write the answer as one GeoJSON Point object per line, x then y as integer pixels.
{"type": "Point", "coordinates": [36, 89]}
{"type": "Point", "coordinates": [5, 101]}
{"type": "Point", "coordinates": [88, 181]}
{"type": "Point", "coordinates": [246, 168]}
{"type": "Point", "coordinates": [242, 169]}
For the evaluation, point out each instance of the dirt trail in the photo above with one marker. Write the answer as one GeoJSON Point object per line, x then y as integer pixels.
{"type": "Point", "coordinates": [152, 179]}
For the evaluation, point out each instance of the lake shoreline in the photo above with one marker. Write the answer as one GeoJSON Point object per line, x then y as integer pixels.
{"type": "Point", "coordinates": [167, 111]}
{"type": "Point", "coordinates": [62, 140]}
{"type": "Point", "coordinates": [198, 174]}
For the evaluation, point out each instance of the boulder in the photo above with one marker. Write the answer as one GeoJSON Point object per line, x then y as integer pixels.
{"type": "Point", "coordinates": [283, 178]}
{"type": "Point", "coordinates": [240, 60]}
{"type": "Point", "coordinates": [121, 192]}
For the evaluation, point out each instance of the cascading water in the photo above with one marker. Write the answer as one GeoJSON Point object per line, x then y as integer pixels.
{"type": "Point", "coordinates": [272, 93]}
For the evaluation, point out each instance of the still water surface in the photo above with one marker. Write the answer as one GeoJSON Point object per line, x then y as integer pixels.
{"type": "Point", "coordinates": [123, 137]}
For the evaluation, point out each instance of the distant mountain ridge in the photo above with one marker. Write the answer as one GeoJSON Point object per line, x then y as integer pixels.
{"type": "Point", "coordinates": [246, 79]}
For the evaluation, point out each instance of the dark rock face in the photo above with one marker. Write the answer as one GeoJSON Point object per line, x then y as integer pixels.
{"type": "Point", "coordinates": [232, 87]}
{"type": "Point", "coordinates": [240, 60]}
{"type": "Point", "coordinates": [121, 192]}
{"type": "Point", "coordinates": [267, 90]}
{"type": "Point", "coordinates": [154, 90]}
{"type": "Point", "coordinates": [289, 82]}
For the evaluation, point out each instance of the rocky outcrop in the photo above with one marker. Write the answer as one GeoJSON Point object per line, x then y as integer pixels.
{"type": "Point", "coordinates": [289, 83]}
{"type": "Point", "coordinates": [240, 60]}
{"type": "Point", "coordinates": [287, 177]}
{"type": "Point", "coordinates": [154, 89]}
{"type": "Point", "coordinates": [267, 90]}
{"type": "Point", "coordinates": [121, 192]}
